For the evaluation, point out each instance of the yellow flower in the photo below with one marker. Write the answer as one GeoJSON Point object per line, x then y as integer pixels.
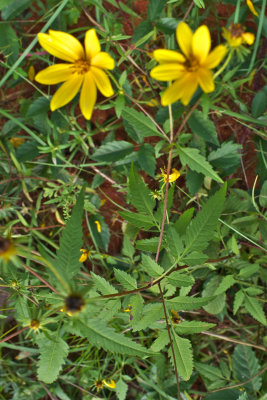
{"type": "Point", "coordinates": [252, 8]}
{"type": "Point", "coordinates": [16, 141]}
{"type": "Point", "coordinates": [172, 177]}
{"type": "Point", "coordinates": [236, 36]}
{"type": "Point", "coordinates": [84, 69]}
{"type": "Point", "coordinates": [7, 249]}
{"type": "Point", "coordinates": [35, 324]}
{"type": "Point", "coordinates": [111, 384]}
{"type": "Point", "coordinates": [190, 69]}
{"type": "Point", "coordinates": [84, 255]}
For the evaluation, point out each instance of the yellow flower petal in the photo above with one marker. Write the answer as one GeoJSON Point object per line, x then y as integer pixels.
{"type": "Point", "coordinates": [205, 79]}
{"type": "Point", "coordinates": [66, 92]}
{"type": "Point", "coordinates": [98, 226]}
{"type": "Point", "coordinates": [61, 45]}
{"type": "Point", "coordinates": [252, 8]}
{"type": "Point", "coordinates": [55, 74]}
{"type": "Point", "coordinates": [111, 384]}
{"type": "Point", "coordinates": [248, 37]}
{"type": "Point", "coordinates": [167, 72]}
{"type": "Point", "coordinates": [88, 96]}
{"type": "Point", "coordinates": [103, 60]}
{"type": "Point", "coordinates": [184, 37]}
{"type": "Point", "coordinates": [168, 56]}
{"type": "Point", "coordinates": [102, 81]}
{"type": "Point", "coordinates": [201, 43]}
{"type": "Point", "coordinates": [174, 92]}
{"type": "Point", "coordinates": [215, 57]}
{"type": "Point", "coordinates": [91, 43]}
{"type": "Point", "coordinates": [190, 85]}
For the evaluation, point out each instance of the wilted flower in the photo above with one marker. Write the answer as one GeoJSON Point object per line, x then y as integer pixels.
{"type": "Point", "coordinates": [100, 383]}
{"type": "Point", "coordinates": [172, 177]}
{"type": "Point", "coordinates": [190, 69]}
{"type": "Point", "coordinates": [235, 36]}
{"type": "Point", "coordinates": [85, 69]}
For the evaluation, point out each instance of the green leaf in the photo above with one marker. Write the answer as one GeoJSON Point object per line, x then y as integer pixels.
{"type": "Point", "coordinates": [183, 356]}
{"type": "Point", "coordinates": [151, 267]}
{"type": "Point", "coordinates": [167, 25]}
{"type": "Point", "coordinates": [103, 286]}
{"type": "Point", "coordinates": [245, 366]}
{"type": "Point", "coordinates": [225, 284]}
{"type": "Point", "coordinates": [150, 245]}
{"type": "Point", "coordinates": [259, 103]}
{"type": "Point", "coordinates": [174, 241]}
{"type": "Point", "coordinates": [189, 303]}
{"type": "Point", "coordinates": [4, 3]}
{"type": "Point", "coordinates": [161, 341]}
{"type": "Point", "coordinates": [15, 8]}
{"type": "Point", "coordinates": [146, 158]}
{"type": "Point", "coordinates": [142, 34]}
{"type": "Point", "coordinates": [141, 195]}
{"type": "Point", "coordinates": [209, 372]}
{"type": "Point", "coordinates": [138, 220]}
{"type": "Point", "coordinates": [102, 336]}
{"type": "Point", "coordinates": [126, 280]}
{"type": "Point", "coordinates": [183, 221]}
{"type": "Point", "coordinates": [179, 279]}
{"type": "Point", "coordinates": [195, 161]}
{"type": "Point", "coordinates": [141, 123]}
{"type": "Point", "coordinates": [255, 309]}
{"type": "Point", "coordinates": [201, 229]}
{"type": "Point", "coordinates": [190, 327]}
{"type": "Point", "coordinates": [151, 314]}
{"type": "Point", "coordinates": [113, 151]}
{"type": "Point", "coordinates": [155, 8]}
{"type": "Point", "coordinates": [194, 181]}
{"type": "Point", "coordinates": [38, 106]}
{"type": "Point", "coordinates": [68, 255]}
{"type": "Point", "coordinates": [217, 304]}
{"type": "Point", "coordinates": [121, 389]}
{"type": "Point", "coordinates": [9, 44]}
{"type": "Point", "coordinates": [195, 258]}
{"type": "Point", "coordinates": [239, 297]}
{"type": "Point", "coordinates": [52, 356]}
{"type": "Point", "coordinates": [263, 195]}
{"type": "Point", "coordinates": [203, 127]}
{"type": "Point", "coordinates": [226, 158]}
{"type": "Point", "coordinates": [119, 104]}
{"type": "Point", "coordinates": [101, 239]}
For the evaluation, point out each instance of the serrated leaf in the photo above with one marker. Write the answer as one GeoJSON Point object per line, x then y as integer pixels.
{"type": "Point", "coordinates": [110, 307]}
{"type": "Point", "coordinates": [179, 279]}
{"type": "Point", "coordinates": [141, 196]}
{"type": "Point", "coordinates": [239, 297]}
{"type": "Point", "coordinates": [121, 389]}
{"type": "Point", "coordinates": [146, 158]}
{"type": "Point", "coordinates": [245, 366]}
{"type": "Point", "coordinates": [103, 286]}
{"type": "Point", "coordinates": [174, 241]}
{"type": "Point", "coordinates": [183, 221]}
{"type": "Point", "coordinates": [195, 258]}
{"type": "Point", "coordinates": [183, 356]}
{"type": "Point", "coordinates": [52, 356]}
{"type": "Point", "coordinates": [259, 103]}
{"type": "Point", "coordinates": [102, 336]}
{"type": "Point", "coordinates": [225, 284]}
{"type": "Point", "coordinates": [208, 371]}
{"type": "Point", "coordinates": [137, 304]}
{"type": "Point", "coordinates": [203, 127]}
{"type": "Point", "coordinates": [167, 25]}
{"type": "Point", "coordinates": [190, 327]}
{"type": "Point", "coordinates": [151, 314]}
{"type": "Point", "coordinates": [126, 280]}
{"type": "Point", "coordinates": [195, 161]}
{"type": "Point", "coordinates": [138, 220]}
{"type": "Point", "coordinates": [189, 303]}
{"type": "Point", "coordinates": [113, 151]}
{"type": "Point", "coordinates": [142, 124]}
{"type": "Point", "coordinates": [151, 267]}
{"type": "Point", "coordinates": [217, 304]}
{"type": "Point", "coordinates": [150, 245]}
{"type": "Point", "coordinates": [201, 229]}
{"type": "Point", "coordinates": [68, 255]}
{"type": "Point", "coordinates": [255, 309]}
{"type": "Point", "coordinates": [161, 341]}
{"type": "Point", "coordinates": [14, 8]}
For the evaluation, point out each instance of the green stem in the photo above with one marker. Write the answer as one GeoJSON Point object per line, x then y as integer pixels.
{"type": "Point", "coordinates": [230, 55]}
{"type": "Point", "coordinates": [237, 11]}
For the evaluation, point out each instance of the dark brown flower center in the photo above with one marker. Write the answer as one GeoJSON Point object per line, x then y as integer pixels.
{"type": "Point", "coordinates": [74, 303]}
{"type": "Point", "coordinates": [191, 64]}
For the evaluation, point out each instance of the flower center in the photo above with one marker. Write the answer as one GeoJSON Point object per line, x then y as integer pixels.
{"type": "Point", "coordinates": [81, 67]}
{"type": "Point", "coordinates": [191, 64]}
